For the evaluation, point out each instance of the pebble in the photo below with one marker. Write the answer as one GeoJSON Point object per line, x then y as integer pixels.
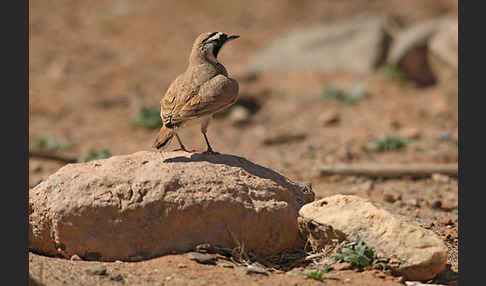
{"type": "Point", "coordinates": [76, 257]}
{"type": "Point", "coordinates": [97, 270]}
{"type": "Point", "coordinates": [387, 197]}
{"type": "Point", "coordinates": [255, 269]}
{"type": "Point", "coordinates": [399, 204]}
{"type": "Point", "coordinates": [329, 117]}
{"type": "Point", "coordinates": [446, 221]}
{"type": "Point", "coordinates": [437, 204]}
{"type": "Point", "coordinates": [116, 277]}
{"type": "Point", "coordinates": [440, 178]}
{"type": "Point", "coordinates": [202, 258]}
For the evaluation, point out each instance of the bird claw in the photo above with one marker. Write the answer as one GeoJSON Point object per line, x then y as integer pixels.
{"type": "Point", "coordinates": [183, 149]}
{"type": "Point", "coordinates": [210, 152]}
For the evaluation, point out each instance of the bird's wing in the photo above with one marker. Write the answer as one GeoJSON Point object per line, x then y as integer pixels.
{"type": "Point", "coordinates": [176, 96]}
{"type": "Point", "coordinates": [214, 95]}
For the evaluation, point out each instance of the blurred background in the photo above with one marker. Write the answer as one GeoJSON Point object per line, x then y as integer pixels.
{"type": "Point", "coordinates": [321, 82]}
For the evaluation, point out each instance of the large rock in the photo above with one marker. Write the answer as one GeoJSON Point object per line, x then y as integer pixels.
{"type": "Point", "coordinates": [146, 204]}
{"type": "Point", "coordinates": [356, 45]}
{"type": "Point", "coordinates": [443, 59]}
{"type": "Point", "coordinates": [416, 253]}
{"type": "Point", "coordinates": [443, 52]}
{"type": "Point", "coordinates": [410, 49]}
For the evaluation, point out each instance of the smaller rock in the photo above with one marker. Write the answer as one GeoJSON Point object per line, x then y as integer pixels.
{"type": "Point", "coordinates": [420, 253]}
{"type": "Point", "coordinates": [446, 221]}
{"type": "Point", "coordinates": [116, 277]}
{"type": "Point", "coordinates": [205, 248]}
{"type": "Point", "coordinates": [399, 204]}
{"type": "Point", "coordinates": [440, 178]}
{"type": "Point", "coordinates": [283, 138]}
{"type": "Point", "coordinates": [449, 205]}
{"type": "Point", "coordinates": [414, 202]}
{"type": "Point", "coordinates": [437, 204]}
{"type": "Point", "coordinates": [76, 257]}
{"type": "Point", "coordinates": [97, 270]}
{"type": "Point", "coordinates": [329, 117]}
{"type": "Point", "coordinates": [180, 265]}
{"type": "Point", "coordinates": [202, 258]}
{"type": "Point", "coordinates": [255, 269]}
{"type": "Point", "coordinates": [387, 197]}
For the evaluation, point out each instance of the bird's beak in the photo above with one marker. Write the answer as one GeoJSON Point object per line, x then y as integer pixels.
{"type": "Point", "coordinates": [232, 37]}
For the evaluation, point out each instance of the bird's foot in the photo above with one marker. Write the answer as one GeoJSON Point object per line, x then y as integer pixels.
{"type": "Point", "coordinates": [184, 149]}
{"type": "Point", "coordinates": [210, 152]}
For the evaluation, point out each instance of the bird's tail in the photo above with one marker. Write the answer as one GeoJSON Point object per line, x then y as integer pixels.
{"type": "Point", "coordinates": [164, 137]}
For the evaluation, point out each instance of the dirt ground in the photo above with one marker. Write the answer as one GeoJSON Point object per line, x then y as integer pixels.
{"type": "Point", "coordinates": [94, 64]}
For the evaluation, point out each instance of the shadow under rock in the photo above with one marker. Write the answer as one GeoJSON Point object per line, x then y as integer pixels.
{"type": "Point", "coordinates": [234, 161]}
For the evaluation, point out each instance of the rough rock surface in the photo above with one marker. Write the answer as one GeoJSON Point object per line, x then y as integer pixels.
{"type": "Point", "coordinates": [329, 47]}
{"type": "Point", "coordinates": [418, 254]}
{"type": "Point", "coordinates": [146, 204]}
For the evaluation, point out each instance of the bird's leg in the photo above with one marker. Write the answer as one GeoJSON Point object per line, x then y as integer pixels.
{"type": "Point", "coordinates": [204, 129]}
{"type": "Point", "coordinates": [183, 148]}
{"type": "Point", "coordinates": [210, 150]}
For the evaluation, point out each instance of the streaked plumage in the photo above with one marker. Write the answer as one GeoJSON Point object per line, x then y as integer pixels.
{"type": "Point", "coordinates": [202, 90]}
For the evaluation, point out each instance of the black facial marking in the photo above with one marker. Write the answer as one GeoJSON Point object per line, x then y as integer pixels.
{"type": "Point", "coordinates": [216, 50]}
{"type": "Point", "coordinates": [209, 36]}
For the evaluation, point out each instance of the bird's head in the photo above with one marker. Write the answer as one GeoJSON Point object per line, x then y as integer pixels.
{"type": "Point", "coordinates": [208, 45]}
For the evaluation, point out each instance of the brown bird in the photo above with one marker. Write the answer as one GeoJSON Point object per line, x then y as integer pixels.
{"type": "Point", "coordinates": [202, 90]}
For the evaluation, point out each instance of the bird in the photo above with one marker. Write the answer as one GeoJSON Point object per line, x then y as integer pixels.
{"type": "Point", "coordinates": [195, 95]}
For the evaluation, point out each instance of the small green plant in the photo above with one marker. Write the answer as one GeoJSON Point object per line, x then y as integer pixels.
{"type": "Point", "coordinates": [355, 94]}
{"type": "Point", "coordinates": [147, 117]}
{"type": "Point", "coordinates": [93, 155]}
{"type": "Point", "coordinates": [393, 72]}
{"type": "Point", "coordinates": [387, 143]}
{"type": "Point", "coordinates": [357, 253]}
{"type": "Point", "coordinates": [48, 143]}
{"type": "Point", "coordinates": [316, 274]}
